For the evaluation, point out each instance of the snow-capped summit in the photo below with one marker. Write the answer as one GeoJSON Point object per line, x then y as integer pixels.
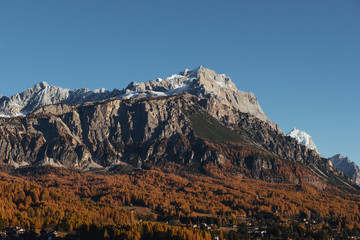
{"type": "Point", "coordinates": [201, 82]}
{"type": "Point", "coordinates": [345, 165]}
{"type": "Point", "coordinates": [303, 138]}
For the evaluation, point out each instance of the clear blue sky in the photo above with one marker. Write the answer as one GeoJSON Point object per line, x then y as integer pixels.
{"type": "Point", "coordinates": [300, 58]}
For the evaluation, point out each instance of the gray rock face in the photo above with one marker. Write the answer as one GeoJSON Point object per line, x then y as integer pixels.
{"type": "Point", "coordinates": [345, 165]}
{"type": "Point", "coordinates": [201, 82]}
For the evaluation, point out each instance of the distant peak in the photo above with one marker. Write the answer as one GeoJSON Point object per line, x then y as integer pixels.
{"type": "Point", "coordinates": [303, 138]}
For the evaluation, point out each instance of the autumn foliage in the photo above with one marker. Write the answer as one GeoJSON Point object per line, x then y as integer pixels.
{"type": "Point", "coordinates": [69, 199]}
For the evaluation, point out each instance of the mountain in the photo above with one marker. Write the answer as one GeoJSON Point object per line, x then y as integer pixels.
{"type": "Point", "coordinates": [303, 138]}
{"type": "Point", "coordinates": [193, 119]}
{"type": "Point", "coordinates": [349, 168]}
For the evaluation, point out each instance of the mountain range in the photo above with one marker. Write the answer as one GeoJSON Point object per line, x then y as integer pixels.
{"type": "Point", "coordinates": [192, 118]}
